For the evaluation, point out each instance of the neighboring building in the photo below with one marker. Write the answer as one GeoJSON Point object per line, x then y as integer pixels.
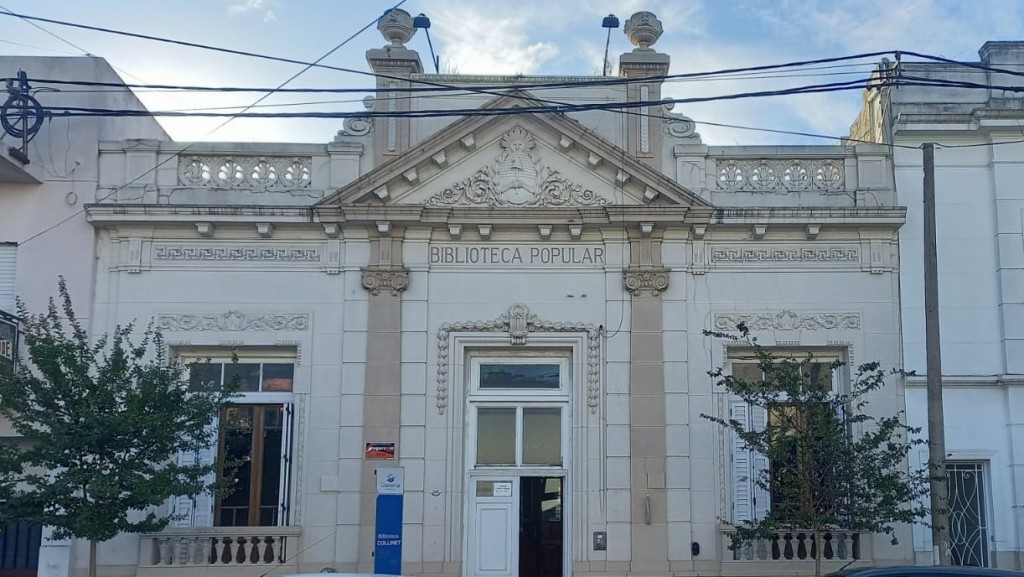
{"type": "Point", "coordinates": [511, 302]}
{"type": "Point", "coordinates": [43, 228]}
{"type": "Point", "coordinates": [979, 166]}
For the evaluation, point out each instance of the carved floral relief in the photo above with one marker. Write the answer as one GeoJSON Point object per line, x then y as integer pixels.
{"type": "Point", "coordinates": [517, 178]}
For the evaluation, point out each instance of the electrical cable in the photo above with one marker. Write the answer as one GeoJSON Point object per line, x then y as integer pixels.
{"type": "Point", "coordinates": [704, 76]}
{"type": "Point", "coordinates": [598, 81]}
{"type": "Point", "coordinates": [30, 22]}
{"type": "Point", "coordinates": [975, 65]}
{"type": "Point", "coordinates": [560, 108]}
{"type": "Point", "coordinates": [218, 127]}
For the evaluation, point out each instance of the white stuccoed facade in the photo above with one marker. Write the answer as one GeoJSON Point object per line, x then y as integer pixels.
{"type": "Point", "coordinates": [979, 163]}
{"type": "Point", "coordinates": [43, 228]}
{"type": "Point", "coordinates": [397, 280]}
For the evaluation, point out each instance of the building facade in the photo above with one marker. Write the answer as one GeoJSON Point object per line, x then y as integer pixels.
{"type": "Point", "coordinates": [44, 188]}
{"type": "Point", "coordinates": [508, 304]}
{"type": "Point", "coordinates": [979, 159]}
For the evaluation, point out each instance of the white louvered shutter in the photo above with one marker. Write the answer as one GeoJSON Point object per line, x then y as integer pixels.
{"type": "Point", "coordinates": [759, 462]}
{"type": "Point", "coordinates": [8, 267]}
{"type": "Point", "coordinates": [285, 496]}
{"type": "Point", "coordinates": [197, 511]}
{"type": "Point", "coordinates": [742, 467]}
{"type": "Point", "coordinates": [749, 502]}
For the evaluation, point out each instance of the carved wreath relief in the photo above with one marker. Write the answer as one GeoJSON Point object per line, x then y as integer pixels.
{"type": "Point", "coordinates": [517, 178]}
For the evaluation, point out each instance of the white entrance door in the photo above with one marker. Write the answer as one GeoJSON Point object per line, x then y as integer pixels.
{"type": "Point", "coordinates": [493, 527]}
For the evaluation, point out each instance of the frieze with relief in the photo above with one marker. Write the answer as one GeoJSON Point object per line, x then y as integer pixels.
{"type": "Point", "coordinates": [787, 321]}
{"type": "Point", "coordinates": [779, 254]}
{"type": "Point", "coordinates": [233, 321]}
{"type": "Point", "coordinates": [517, 178]}
{"type": "Point", "coordinates": [235, 253]}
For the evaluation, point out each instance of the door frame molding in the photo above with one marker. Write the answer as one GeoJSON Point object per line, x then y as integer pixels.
{"type": "Point", "coordinates": [573, 397]}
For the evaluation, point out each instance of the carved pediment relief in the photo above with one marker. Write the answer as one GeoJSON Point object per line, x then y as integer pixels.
{"type": "Point", "coordinates": [514, 161]}
{"type": "Point", "coordinates": [517, 177]}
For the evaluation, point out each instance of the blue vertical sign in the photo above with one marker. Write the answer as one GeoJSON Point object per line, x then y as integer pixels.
{"type": "Point", "coordinates": [387, 552]}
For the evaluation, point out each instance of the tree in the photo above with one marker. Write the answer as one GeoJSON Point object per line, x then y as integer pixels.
{"type": "Point", "coordinates": [833, 466]}
{"type": "Point", "coordinates": [102, 424]}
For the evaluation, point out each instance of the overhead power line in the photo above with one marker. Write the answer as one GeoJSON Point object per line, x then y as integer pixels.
{"type": "Point", "coordinates": [29, 21]}
{"type": "Point", "coordinates": [218, 127]}
{"type": "Point", "coordinates": [560, 108]}
{"type": "Point", "coordinates": [429, 90]}
{"type": "Point", "coordinates": [427, 82]}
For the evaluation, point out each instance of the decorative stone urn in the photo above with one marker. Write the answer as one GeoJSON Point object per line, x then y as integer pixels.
{"type": "Point", "coordinates": [643, 29]}
{"type": "Point", "coordinates": [396, 27]}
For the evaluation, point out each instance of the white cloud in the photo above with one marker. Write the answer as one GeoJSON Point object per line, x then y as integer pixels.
{"type": "Point", "coordinates": [476, 42]}
{"type": "Point", "coordinates": [260, 6]}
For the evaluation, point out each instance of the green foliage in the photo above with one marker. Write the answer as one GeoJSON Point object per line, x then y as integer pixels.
{"type": "Point", "coordinates": [102, 423]}
{"type": "Point", "coordinates": [834, 466]}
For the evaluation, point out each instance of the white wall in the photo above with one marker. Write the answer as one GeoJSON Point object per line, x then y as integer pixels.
{"type": "Point", "coordinates": [64, 155]}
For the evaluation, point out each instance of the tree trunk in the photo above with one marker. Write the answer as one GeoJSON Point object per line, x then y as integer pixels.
{"type": "Point", "coordinates": [92, 557]}
{"type": "Point", "coordinates": [818, 552]}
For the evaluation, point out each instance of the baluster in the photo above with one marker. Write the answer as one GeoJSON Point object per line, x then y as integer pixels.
{"type": "Point", "coordinates": [748, 552]}
{"type": "Point", "coordinates": [257, 549]}
{"type": "Point", "coordinates": [855, 537]}
{"type": "Point", "coordinates": [801, 547]}
{"type": "Point", "coordinates": [268, 551]}
{"type": "Point", "coordinates": [814, 545]}
{"type": "Point", "coordinates": [787, 550]}
{"type": "Point", "coordinates": [208, 556]}
{"type": "Point", "coordinates": [215, 550]}
{"type": "Point", "coordinates": [242, 551]}
{"type": "Point", "coordinates": [841, 547]}
{"type": "Point", "coordinates": [829, 552]}
{"type": "Point", "coordinates": [181, 551]}
{"type": "Point", "coordinates": [163, 551]}
{"type": "Point", "coordinates": [224, 550]}
{"type": "Point", "coordinates": [776, 553]}
{"type": "Point", "coordinates": [762, 549]}
{"type": "Point", "coordinates": [195, 544]}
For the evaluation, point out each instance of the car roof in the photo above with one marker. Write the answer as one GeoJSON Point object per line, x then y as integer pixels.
{"type": "Point", "coordinates": [926, 570]}
{"type": "Point", "coordinates": [337, 575]}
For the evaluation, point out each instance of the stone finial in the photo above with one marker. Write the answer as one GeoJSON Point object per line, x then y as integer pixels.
{"type": "Point", "coordinates": [643, 29]}
{"type": "Point", "coordinates": [396, 27]}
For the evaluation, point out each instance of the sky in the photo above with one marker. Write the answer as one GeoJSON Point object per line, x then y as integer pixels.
{"type": "Point", "coordinates": [534, 37]}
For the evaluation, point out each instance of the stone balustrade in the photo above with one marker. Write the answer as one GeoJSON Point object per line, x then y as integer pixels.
{"type": "Point", "coordinates": [839, 548]}
{"type": "Point", "coordinates": [211, 174]}
{"type": "Point", "coordinates": [780, 175]}
{"type": "Point", "coordinates": [788, 176]}
{"type": "Point", "coordinates": [197, 550]}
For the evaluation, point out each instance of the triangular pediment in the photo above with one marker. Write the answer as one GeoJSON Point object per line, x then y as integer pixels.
{"type": "Point", "coordinates": [514, 160]}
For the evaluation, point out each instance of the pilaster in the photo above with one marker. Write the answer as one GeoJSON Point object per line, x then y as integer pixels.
{"type": "Point", "coordinates": [646, 279]}
{"type": "Point", "coordinates": [385, 278]}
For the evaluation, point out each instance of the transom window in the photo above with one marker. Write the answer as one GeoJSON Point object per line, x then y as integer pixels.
{"type": "Point", "coordinates": [252, 376]}
{"type": "Point", "coordinates": [519, 377]}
